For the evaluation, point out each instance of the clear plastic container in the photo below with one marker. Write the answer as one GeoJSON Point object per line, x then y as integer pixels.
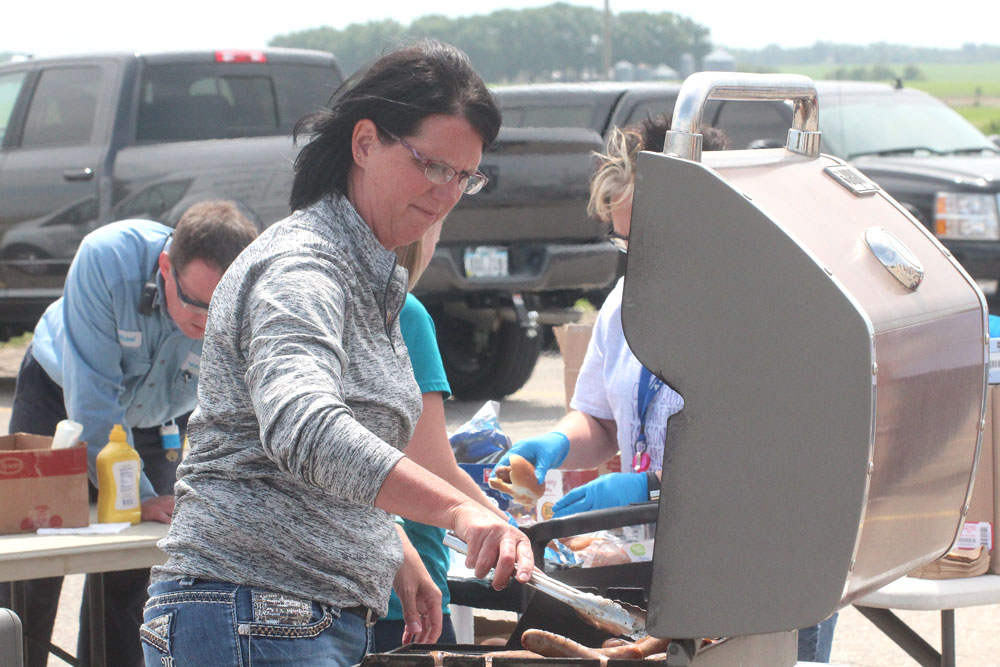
{"type": "Point", "coordinates": [67, 434]}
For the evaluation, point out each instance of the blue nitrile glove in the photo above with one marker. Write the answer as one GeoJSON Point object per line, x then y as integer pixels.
{"type": "Point", "coordinates": [994, 326]}
{"type": "Point", "coordinates": [545, 452]}
{"type": "Point", "coordinates": [612, 490]}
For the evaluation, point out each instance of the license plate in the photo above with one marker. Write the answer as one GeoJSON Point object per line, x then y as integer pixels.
{"type": "Point", "coordinates": [486, 262]}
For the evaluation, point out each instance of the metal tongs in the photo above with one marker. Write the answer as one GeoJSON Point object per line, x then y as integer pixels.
{"type": "Point", "coordinates": [617, 618]}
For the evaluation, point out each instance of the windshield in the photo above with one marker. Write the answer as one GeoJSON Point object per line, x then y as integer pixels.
{"type": "Point", "coordinates": [891, 124]}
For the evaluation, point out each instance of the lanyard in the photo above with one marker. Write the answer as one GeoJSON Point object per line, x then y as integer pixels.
{"type": "Point", "coordinates": [649, 386]}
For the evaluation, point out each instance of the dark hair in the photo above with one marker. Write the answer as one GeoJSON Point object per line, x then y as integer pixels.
{"type": "Point", "coordinates": [654, 129]}
{"type": "Point", "coordinates": [396, 92]}
{"type": "Point", "coordinates": [213, 231]}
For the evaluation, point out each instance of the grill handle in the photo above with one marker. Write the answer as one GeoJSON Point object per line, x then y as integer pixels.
{"type": "Point", "coordinates": [895, 256]}
{"type": "Point", "coordinates": [684, 138]}
{"type": "Point", "coordinates": [587, 522]}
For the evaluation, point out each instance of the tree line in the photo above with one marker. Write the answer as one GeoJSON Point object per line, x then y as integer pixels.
{"type": "Point", "coordinates": [830, 53]}
{"type": "Point", "coordinates": [565, 41]}
{"type": "Point", "coordinates": [555, 41]}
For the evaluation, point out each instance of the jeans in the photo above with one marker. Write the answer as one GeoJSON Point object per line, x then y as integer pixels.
{"type": "Point", "coordinates": [389, 634]}
{"type": "Point", "coordinates": [38, 406]}
{"type": "Point", "coordinates": [816, 642]}
{"type": "Point", "coordinates": [200, 622]}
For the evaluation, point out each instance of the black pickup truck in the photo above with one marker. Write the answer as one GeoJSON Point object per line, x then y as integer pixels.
{"type": "Point", "coordinates": [533, 221]}
{"type": "Point", "coordinates": [86, 140]}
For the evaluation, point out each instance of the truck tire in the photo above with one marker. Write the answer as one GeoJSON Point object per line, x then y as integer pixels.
{"type": "Point", "coordinates": [486, 365]}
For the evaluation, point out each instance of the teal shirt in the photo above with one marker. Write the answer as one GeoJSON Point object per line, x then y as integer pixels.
{"type": "Point", "coordinates": [418, 332]}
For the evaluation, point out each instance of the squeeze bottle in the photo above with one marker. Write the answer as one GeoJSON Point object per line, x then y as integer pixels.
{"type": "Point", "coordinates": [118, 467]}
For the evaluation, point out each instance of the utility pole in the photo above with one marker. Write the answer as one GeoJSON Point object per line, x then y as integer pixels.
{"type": "Point", "coordinates": [606, 42]}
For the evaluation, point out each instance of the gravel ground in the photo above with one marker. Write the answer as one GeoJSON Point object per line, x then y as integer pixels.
{"type": "Point", "coordinates": [534, 409]}
{"type": "Point", "coordinates": [10, 359]}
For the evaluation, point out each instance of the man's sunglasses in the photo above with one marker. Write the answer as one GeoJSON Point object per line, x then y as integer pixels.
{"type": "Point", "coordinates": [186, 301]}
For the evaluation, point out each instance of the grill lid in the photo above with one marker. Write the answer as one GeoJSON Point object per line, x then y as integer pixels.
{"type": "Point", "coordinates": [832, 361]}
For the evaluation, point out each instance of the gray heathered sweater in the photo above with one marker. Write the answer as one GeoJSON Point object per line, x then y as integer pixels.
{"type": "Point", "coordinates": [305, 399]}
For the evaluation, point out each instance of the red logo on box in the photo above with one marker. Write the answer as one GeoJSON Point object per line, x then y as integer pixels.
{"type": "Point", "coordinates": [11, 466]}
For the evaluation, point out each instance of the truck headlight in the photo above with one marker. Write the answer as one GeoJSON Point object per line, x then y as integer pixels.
{"type": "Point", "coordinates": [966, 216]}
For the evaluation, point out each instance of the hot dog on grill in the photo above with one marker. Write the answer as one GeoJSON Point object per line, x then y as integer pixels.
{"type": "Point", "coordinates": [552, 645]}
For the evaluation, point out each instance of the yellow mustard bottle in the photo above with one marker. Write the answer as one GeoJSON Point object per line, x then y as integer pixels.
{"type": "Point", "coordinates": [118, 467]}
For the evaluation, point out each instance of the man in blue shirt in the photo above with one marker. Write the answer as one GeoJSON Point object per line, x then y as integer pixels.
{"type": "Point", "coordinates": [123, 346]}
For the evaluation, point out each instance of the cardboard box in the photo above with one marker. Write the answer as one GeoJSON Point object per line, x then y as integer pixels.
{"type": "Point", "coordinates": [573, 340]}
{"type": "Point", "coordinates": [41, 487]}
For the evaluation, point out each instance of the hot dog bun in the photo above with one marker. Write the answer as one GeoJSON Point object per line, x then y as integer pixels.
{"type": "Point", "coordinates": [518, 481]}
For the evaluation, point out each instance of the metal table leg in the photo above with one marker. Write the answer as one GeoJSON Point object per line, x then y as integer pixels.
{"type": "Point", "coordinates": [95, 591]}
{"type": "Point", "coordinates": [904, 636]}
{"type": "Point", "coordinates": [18, 605]}
{"type": "Point", "coordinates": [948, 638]}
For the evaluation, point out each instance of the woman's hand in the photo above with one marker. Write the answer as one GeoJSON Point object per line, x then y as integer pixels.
{"type": "Point", "coordinates": [545, 452]}
{"type": "Point", "coordinates": [419, 595]}
{"type": "Point", "coordinates": [611, 490]}
{"type": "Point", "coordinates": [493, 544]}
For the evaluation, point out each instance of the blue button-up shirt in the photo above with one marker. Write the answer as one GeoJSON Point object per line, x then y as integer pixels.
{"type": "Point", "coordinates": [115, 365]}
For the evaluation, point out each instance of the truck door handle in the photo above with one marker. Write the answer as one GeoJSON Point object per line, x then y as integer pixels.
{"type": "Point", "coordinates": [81, 174]}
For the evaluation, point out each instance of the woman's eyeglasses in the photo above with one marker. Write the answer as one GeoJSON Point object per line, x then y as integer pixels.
{"type": "Point", "coordinates": [187, 302]}
{"type": "Point", "coordinates": [619, 241]}
{"type": "Point", "coordinates": [440, 173]}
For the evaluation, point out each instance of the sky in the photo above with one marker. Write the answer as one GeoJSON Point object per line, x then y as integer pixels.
{"type": "Point", "coordinates": [68, 26]}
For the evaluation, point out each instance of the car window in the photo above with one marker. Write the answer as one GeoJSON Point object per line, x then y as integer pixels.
{"type": "Point", "coordinates": [10, 88]}
{"type": "Point", "coordinates": [199, 101]}
{"type": "Point", "coordinates": [895, 124]}
{"type": "Point", "coordinates": [302, 90]}
{"type": "Point", "coordinates": [754, 124]}
{"type": "Point", "coordinates": [194, 102]}
{"type": "Point", "coordinates": [63, 107]}
{"type": "Point", "coordinates": [651, 108]}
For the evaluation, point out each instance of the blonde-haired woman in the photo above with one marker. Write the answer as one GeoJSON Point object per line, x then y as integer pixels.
{"type": "Point", "coordinates": [617, 405]}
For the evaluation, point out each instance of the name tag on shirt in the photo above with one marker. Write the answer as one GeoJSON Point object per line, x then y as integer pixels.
{"type": "Point", "coordinates": [191, 365]}
{"type": "Point", "coordinates": [129, 338]}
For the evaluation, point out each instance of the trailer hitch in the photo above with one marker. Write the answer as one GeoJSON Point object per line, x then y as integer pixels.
{"type": "Point", "coordinates": [528, 319]}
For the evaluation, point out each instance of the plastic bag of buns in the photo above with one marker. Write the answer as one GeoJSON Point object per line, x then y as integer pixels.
{"type": "Point", "coordinates": [481, 440]}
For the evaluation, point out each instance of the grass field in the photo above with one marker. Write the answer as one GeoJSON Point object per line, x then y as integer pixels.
{"type": "Point", "coordinates": [958, 85]}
